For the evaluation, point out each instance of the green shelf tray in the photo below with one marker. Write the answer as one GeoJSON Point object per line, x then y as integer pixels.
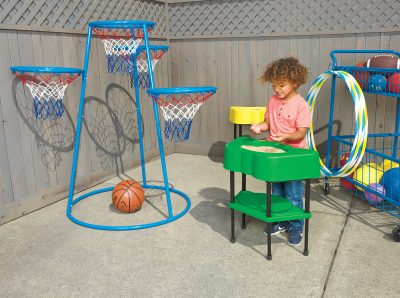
{"type": "Point", "coordinates": [254, 204]}
{"type": "Point", "coordinates": [290, 164]}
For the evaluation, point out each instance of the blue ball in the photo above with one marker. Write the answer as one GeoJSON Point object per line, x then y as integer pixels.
{"type": "Point", "coordinates": [391, 182]}
{"type": "Point", "coordinates": [377, 83]}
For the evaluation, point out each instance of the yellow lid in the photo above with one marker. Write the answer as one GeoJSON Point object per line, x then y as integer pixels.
{"type": "Point", "coordinates": [246, 115]}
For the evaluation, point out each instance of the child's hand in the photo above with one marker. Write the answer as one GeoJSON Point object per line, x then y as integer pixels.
{"type": "Point", "coordinates": [255, 129]}
{"type": "Point", "coordinates": [279, 137]}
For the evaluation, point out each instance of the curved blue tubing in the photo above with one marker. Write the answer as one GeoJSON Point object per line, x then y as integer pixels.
{"type": "Point", "coordinates": [132, 227]}
{"type": "Point", "coordinates": [178, 90]}
{"type": "Point", "coordinates": [332, 54]}
{"type": "Point", "coordinates": [138, 114]}
{"type": "Point", "coordinates": [122, 24]}
{"type": "Point", "coordinates": [45, 69]}
{"type": "Point", "coordinates": [125, 25]}
{"type": "Point", "coordinates": [152, 48]}
{"type": "Point", "coordinates": [158, 127]}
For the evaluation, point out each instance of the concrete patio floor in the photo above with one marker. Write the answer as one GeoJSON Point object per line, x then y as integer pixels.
{"type": "Point", "coordinates": [43, 254]}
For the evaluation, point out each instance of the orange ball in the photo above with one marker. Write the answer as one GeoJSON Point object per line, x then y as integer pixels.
{"type": "Point", "coordinates": [128, 196]}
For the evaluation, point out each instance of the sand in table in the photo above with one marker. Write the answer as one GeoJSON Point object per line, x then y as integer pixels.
{"type": "Point", "coordinates": [265, 149]}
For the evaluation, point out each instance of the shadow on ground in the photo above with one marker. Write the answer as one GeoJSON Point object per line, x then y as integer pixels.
{"type": "Point", "coordinates": [214, 212]}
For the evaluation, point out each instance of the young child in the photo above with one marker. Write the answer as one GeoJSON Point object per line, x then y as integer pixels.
{"type": "Point", "coordinates": [287, 118]}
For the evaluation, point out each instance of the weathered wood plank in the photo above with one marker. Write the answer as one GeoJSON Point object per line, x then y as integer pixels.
{"type": "Point", "coordinates": [22, 54]}
{"type": "Point", "coordinates": [6, 196]}
{"type": "Point", "coordinates": [11, 122]}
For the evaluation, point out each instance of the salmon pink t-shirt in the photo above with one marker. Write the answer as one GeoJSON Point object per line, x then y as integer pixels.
{"type": "Point", "coordinates": [285, 116]}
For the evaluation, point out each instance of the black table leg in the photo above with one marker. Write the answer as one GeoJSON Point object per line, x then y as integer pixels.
{"type": "Point", "coordinates": [232, 199]}
{"type": "Point", "coordinates": [269, 192]}
{"type": "Point", "coordinates": [306, 238]}
{"type": "Point", "coordinates": [243, 188]}
{"type": "Point", "coordinates": [307, 209]}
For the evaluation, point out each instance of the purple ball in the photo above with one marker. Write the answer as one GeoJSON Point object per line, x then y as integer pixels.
{"type": "Point", "coordinates": [371, 197]}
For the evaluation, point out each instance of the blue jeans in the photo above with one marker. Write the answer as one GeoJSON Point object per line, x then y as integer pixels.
{"type": "Point", "coordinates": [293, 191]}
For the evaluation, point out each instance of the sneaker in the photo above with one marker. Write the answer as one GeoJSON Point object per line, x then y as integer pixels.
{"type": "Point", "coordinates": [295, 236]}
{"type": "Point", "coordinates": [276, 229]}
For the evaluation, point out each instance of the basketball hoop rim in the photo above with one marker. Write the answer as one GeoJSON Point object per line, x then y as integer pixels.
{"type": "Point", "coordinates": [180, 90]}
{"type": "Point", "coordinates": [46, 69]}
{"type": "Point", "coordinates": [151, 48]}
{"type": "Point", "coordinates": [122, 24]}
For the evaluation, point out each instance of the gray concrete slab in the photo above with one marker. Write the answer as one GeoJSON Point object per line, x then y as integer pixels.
{"type": "Point", "coordinates": [44, 254]}
{"type": "Point", "coordinates": [368, 261]}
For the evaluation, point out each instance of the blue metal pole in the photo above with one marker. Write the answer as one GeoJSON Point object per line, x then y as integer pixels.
{"type": "Point", "coordinates": [331, 112]}
{"type": "Point", "coordinates": [138, 114]}
{"type": "Point", "coordinates": [396, 128]}
{"type": "Point", "coordinates": [158, 127]}
{"type": "Point", "coordinates": [79, 121]}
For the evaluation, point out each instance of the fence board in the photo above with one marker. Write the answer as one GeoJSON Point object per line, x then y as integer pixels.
{"type": "Point", "coordinates": [6, 195]}
{"type": "Point", "coordinates": [11, 122]}
{"type": "Point", "coordinates": [23, 55]}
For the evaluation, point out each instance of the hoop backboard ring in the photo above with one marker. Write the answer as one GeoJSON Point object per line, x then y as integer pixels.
{"type": "Point", "coordinates": [179, 105]}
{"type": "Point", "coordinates": [120, 44]}
{"type": "Point", "coordinates": [47, 86]}
{"type": "Point", "coordinates": [156, 52]}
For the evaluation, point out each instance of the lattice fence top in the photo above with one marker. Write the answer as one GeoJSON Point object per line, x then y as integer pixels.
{"type": "Point", "coordinates": [75, 15]}
{"type": "Point", "coordinates": [252, 17]}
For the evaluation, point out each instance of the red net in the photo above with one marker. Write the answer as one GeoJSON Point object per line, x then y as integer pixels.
{"type": "Point", "coordinates": [58, 78]}
{"type": "Point", "coordinates": [119, 33]}
{"type": "Point", "coordinates": [165, 100]}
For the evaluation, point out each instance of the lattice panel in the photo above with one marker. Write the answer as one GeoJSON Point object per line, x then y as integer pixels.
{"type": "Point", "coordinates": [252, 17]}
{"type": "Point", "coordinates": [76, 14]}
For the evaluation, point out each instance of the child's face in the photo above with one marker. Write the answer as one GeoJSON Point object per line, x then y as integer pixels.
{"type": "Point", "coordinates": [284, 89]}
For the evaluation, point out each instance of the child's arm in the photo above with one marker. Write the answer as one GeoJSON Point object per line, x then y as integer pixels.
{"type": "Point", "coordinates": [260, 127]}
{"type": "Point", "coordinates": [298, 135]}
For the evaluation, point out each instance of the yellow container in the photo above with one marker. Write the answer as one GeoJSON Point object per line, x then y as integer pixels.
{"type": "Point", "coordinates": [246, 115]}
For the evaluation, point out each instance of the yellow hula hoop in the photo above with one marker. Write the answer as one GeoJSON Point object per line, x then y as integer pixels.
{"type": "Point", "coordinates": [361, 116]}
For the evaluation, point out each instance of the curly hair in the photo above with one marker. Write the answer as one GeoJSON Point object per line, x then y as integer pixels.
{"type": "Point", "coordinates": [285, 69]}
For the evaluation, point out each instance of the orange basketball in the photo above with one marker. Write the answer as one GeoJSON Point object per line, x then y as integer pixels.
{"type": "Point", "coordinates": [128, 196]}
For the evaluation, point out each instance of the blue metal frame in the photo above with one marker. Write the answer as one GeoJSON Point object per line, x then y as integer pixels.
{"type": "Point", "coordinates": [122, 24]}
{"type": "Point", "coordinates": [152, 48]}
{"type": "Point", "coordinates": [131, 227]}
{"type": "Point", "coordinates": [45, 69]}
{"type": "Point", "coordinates": [179, 90]}
{"type": "Point", "coordinates": [71, 202]}
{"type": "Point", "coordinates": [335, 66]}
{"type": "Point", "coordinates": [389, 205]}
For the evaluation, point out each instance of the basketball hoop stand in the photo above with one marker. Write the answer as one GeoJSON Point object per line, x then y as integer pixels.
{"type": "Point", "coordinates": [125, 55]}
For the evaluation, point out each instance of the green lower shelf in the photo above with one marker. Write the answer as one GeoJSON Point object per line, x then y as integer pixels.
{"type": "Point", "coordinates": [254, 204]}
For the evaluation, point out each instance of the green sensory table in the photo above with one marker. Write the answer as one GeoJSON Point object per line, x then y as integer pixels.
{"type": "Point", "coordinates": [269, 162]}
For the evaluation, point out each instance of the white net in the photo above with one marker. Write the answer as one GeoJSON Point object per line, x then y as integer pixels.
{"type": "Point", "coordinates": [142, 65]}
{"type": "Point", "coordinates": [180, 111]}
{"type": "Point", "coordinates": [43, 91]}
{"type": "Point", "coordinates": [121, 46]}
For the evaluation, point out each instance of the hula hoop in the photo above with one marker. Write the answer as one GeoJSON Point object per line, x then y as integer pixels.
{"type": "Point", "coordinates": [361, 116]}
